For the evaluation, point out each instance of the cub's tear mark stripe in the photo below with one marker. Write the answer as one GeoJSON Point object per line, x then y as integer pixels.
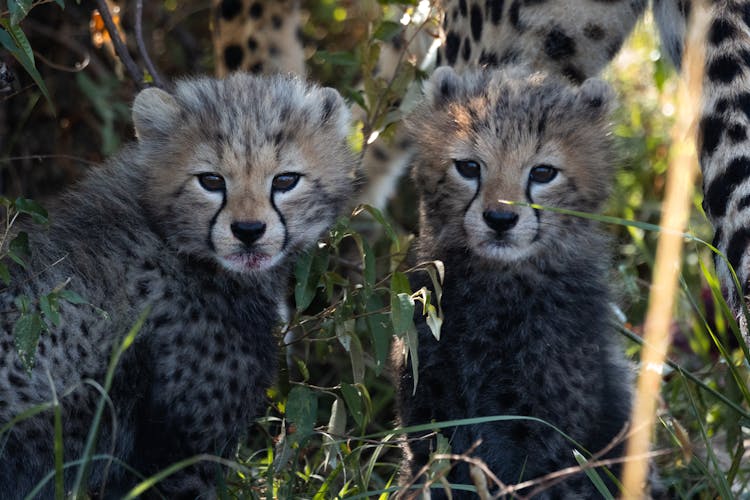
{"type": "Point", "coordinates": [213, 220]}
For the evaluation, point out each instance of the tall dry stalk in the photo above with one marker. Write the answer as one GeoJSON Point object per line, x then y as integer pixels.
{"type": "Point", "coordinates": [683, 167]}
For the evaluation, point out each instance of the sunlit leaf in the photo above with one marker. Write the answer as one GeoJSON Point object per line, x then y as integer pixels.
{"type": "Point", "coordinates": [387, 30]}
{"type": "Point", "coordinates": [49, 307]}
{"type": "Point", "coordinates": [593, 476]}
{"type": "Point", "coordinates": [71, 296]}
{"type": "Point", "coordinates": [307, 272]}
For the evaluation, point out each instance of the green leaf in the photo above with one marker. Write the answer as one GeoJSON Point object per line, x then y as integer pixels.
{"type": "Point", "coordinates": [18, 249]}
{"type": "Point", "coordinates": [26, 333]}
{"type": "Point", "coordinates": [61, 3]}
{"type": "Point", "coordinates": [302, 408]}
{"type": "Point", "coordinates": [14, 41]}
{"type": "Point", "coordinates": [387, 227]}
{"type": "Point", "coordinates": [18, 10]}
{"type": "Point", "coordinates": [413, 345]}
{"type": "Point", "coordinates": [387, 30]}
{"type": "Point", "coordinates": [32, 208]}
{"type": "Point", "coordinates": [336, 428]}
{"type": "Point", "coordinates": [381, 331]}
{"type": "Point", "coordinates": [4, 274]}
{"type": "Point", "coordinates": [402, 313]}
{"type": "Point", "coordinates": [71, 296]}
{"type": "Point", "coordinates": [308, 269]}
{"type": "Point", "coordinates": [593, 476]}
{"type": "Point", "coordinates": [49, 306]}
{"type": "Point", "coordinates": [355, 402]}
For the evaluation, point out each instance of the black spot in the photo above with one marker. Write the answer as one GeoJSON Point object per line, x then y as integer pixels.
{"type": "Point", "coordinates": [273, 50]}
{"type": "Point", "coordinates": [593, 31]}
{"type": "Point", "coordinates": [234, 385]}
{"type": "Point", "coordinates": [719, 191]}
{"type": "Point", "coordinates": [16, 381]}
{"type": "Point", "coordinates": [737, 132]}
{"type": "Point", "coordinates": [488, 59]}
{"type": "Point", "coordinates": [710, 131]}
{"type": "Point", "coordinates": [252, 44]}
{"type": "Point", "coordinates": [143, 287]}
{"type": "Point", "coordinates": [721, 30]}
{"type": "Point", "coordinates": [256, 68]}
{"type": "Point", "coordinates": [742, 205]}
{"type": "Point", "coordinates": [737, 246]}
{"type": "Point", "coordinates": [233, 56]}
{"type": "Point", "coordinates": [439, 59]}
{"type": "Point", "coordinates": [558, 45]}
{"type": "Point", "coordinates": [507, 400]}
{"type": "Point", "coordinates": [276, 21]}
{"type": "Point", "coordinates": [574, 74]}
{"type": "Point", "coordinates": [452, 42]}
{"type": "Point", "coordinates": [514, 15]}
{"type": "Point", "coordinates": [230, 8]}
{"type": "Point", "coordinates": [256, 10]}
{"type": "Point", "coordinates": [148, 266]}
{"type": "Point", "coordinates": [462, 7]}
{"type": "Point", "coordinates": [744, 9]}
{"type": "Point", "coordinates": [684, 6]}
{"type": "Point", "coordinates": [466, 52]}
{"type": "Point", "coordinates": [476, 22]}
{"type": "Point", "coordinates": [495, 8]}
{"type": "Point", "coordinates": [219, 356]}
{"type": "Point", "coordinates": [161, 320]}
{"type": "Point", "coordinates": [724, 68]}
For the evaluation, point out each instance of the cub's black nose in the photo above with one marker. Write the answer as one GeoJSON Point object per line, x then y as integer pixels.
{"type": "Point", "coordinates": [248, 232]}
{"type": "Point", "coordinates": [500, 220]}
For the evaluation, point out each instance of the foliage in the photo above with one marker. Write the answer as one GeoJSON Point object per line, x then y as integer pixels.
{"type": "Point", "coordinates": [329, 428]}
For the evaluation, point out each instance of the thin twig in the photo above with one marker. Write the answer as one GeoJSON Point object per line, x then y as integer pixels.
{"type": "Point", "coordinates": [79, 66]}
{"type": "Point", "coordinates": [122, 52]}
{"type": "Point", "coordinates": [142, 46]}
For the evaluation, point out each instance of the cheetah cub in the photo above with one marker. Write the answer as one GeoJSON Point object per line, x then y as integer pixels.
{"type": "Point", "coordinates": [198, 220]}
{"type": "Point", "coordinates": [525, 296]}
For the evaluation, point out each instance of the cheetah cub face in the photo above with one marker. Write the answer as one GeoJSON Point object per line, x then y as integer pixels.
{"type": "Point", "coordinates": [509, 135]}
{"type": "Point", "coordinates": [246, 170]}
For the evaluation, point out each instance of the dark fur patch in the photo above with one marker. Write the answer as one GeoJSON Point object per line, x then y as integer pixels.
{"type": "Point", "coordinates": [230, 8]}
{"type": "Point", "coordinates": [720, 190]}
{"type": "Point", "coordinates": [452, 42]}
{"type": "Point", "coordinates": [710, 131]}
{"type": "Point", "coordinates": [477, 22]}
{"type": "Point", "coordinates": [738, 243]}
{"type": "Point", "coordinates": [724, 68]}
{"type": "Point", "coordinates": [495, 9]}
{"type": "Point", "coordinates": [558, 45]}
{"type": "Point", "coordinates": [233, 56]}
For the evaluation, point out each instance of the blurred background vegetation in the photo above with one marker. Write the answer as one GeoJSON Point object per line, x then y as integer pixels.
{"type": "Point", "coordinates": [329, 426]}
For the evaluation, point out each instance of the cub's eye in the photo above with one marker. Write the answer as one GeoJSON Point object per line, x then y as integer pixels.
{"type": "Point", "coordinates": [542, 174]}
{"type": "Point", "coordinates": [468, 168]}
{"type": "Point", "coordinates": [211, 182]}
{"type": "Point", "coordinates": [285, 181]}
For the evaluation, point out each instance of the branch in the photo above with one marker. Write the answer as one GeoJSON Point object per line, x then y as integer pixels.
{"type": "Point", "coordinates": [142, 46]}
{"type": "Point", "coordinates": [122, 52]}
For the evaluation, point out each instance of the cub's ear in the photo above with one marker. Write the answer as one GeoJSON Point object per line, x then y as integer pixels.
{"type": "Point", "coordinates": [155, 113]}
{"type": "Point", "coordinates": [443, 87]}
{"type": "Point", "coordinates": [334, 109]}
{"type": "Point", "coordinates": [596, 96]}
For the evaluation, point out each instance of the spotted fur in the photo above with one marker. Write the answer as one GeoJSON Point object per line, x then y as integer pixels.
{"type": "Point", "coordinates": [144, 231]}
{"type": "Point", "coordinates": [526, 300]}
{"type": "Point", "coordinates": [259, 36]}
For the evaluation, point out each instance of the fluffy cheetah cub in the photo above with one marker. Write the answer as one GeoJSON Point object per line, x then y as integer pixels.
{"type": "Point", "coordinates": [525, 297]}
{"type": "Point", "coordinates": [198, 220]}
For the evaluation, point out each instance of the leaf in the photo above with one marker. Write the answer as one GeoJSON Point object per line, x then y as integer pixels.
{"type": "Point", "coordinates": [400, 283]}
{"type": "Point", "coordinates": [381, 331]}
{"type": "Point", "coordinates": [307, 271]}
{"type": "Point", "coordinates": [593, 476]}
{"type": "Point", "coordinates": [434, 322]}
{"type": "Point", "coordinates": [26, 333]}
{"type": "Point", "coordinates": [387, 227]}
{"type": "Point", "coordinates": [354, 400]}
{"type": "Point", "coordinates": [302, 409]}
{"type": "Point", "coordinates": [14, 40]}
{"type": "Point", "coordinates": [356, 356]}
{"type": "Point", "coordinates": [4, 274]}
{"type": "Point", "coordinates": [19, 249]}
{"type": "Point", "coordinates": [402, 313]}
{"type": "Point", "coordinates": [49, 306]}
{"type": "Point", "coordinates": [18, 10]}
{"type": "Point", "coordinates": [32, 208]}
{"type": "Point", "coordinates": [387, 30]}
{"type": "Point", "coordinates": [413, 345]}
{"type": "Point", "coordinates": [336, 428]}
{"type": "Point", "coordinates": [71, 297]}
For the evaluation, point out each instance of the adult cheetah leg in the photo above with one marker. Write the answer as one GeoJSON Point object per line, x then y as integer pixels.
{"type": "Point", "coordinates": [259, 36]}
{"type": "Point", "coordinates": [724, 147]}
